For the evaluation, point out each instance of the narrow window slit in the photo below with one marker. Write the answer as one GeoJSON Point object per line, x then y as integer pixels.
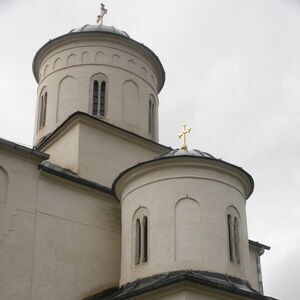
{"type": "Point", "coordinates": [230, 239]}
{"type": "Point", "coordinates": [145, 237]}
{"type": "Point", "coordinates": [95, 97]}
{"type": "Point", "coordinates": [137, 241]}
{"type": "Point", "coordinates": [236, 240]}
{"type": "Point", "coordinates": [102, 98]}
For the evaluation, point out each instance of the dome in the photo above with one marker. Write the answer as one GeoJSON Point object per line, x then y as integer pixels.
{"type": "Point", "coordinates": [185, 152]}
{"type": "Point", "coordinates": [100, 28]}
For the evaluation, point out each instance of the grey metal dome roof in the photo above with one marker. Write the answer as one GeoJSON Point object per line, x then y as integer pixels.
{"type": "Point", "coordinates": [183, 152]}
{"type": "Point", "coordinates": [100, 28]}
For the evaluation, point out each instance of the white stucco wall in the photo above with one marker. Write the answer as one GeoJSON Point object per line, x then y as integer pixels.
{"type": "Point", "coordinates": [58, 239]}
{"type": "Point", "coordinates": [17, 225]}
{"type": "Point", "coordinates": [98, 152]}
{"type": "Point", "coordinates": [253, 267]}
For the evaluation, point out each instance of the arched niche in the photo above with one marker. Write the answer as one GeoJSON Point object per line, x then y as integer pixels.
{"type": "Point", "coordinates": [99, 57]}
{"type": "Point", "coordinates": [131, 103]}
{"type": "Point", "coordinates": [131, 65]}
{"type": "Point", "coordinates": [187, 230]}
{"type": "Point", "coordinates": [85, 57]}
{"type": "Point", "coordinates": [66, 97]}
{"type": "Point", "coordinates": [116, 60]}
{"type": "Point", "coordinates": [71, 59]}
{"type": "Point", "coordinates": [58, 64]}
{"type": "Point", "coordinates": [46, 70]}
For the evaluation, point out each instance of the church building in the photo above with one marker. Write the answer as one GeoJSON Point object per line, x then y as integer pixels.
{"type": "Point", "coordinates": [98, 208]}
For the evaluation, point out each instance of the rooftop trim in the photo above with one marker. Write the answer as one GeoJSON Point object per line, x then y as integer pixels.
{"type": "Point", "coordinates": [162, 157]}
{"type": "Point", "coordinates": [99, 33]}
{"type": "Point", "coordinates": [69, 175]}
{"type": "Point", "coordinates": [24, 149]}
{"type": "Point", "coordinates": [44, 139]}
{"type": "Point", "coordinates": [212, 280]}
{"type": "Point", "coordinates": [257, 244]}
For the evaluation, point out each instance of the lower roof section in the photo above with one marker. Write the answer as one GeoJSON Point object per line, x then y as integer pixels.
{"type": "Point", "coordinates": [217, 281]}
{"type": "Point", "coordinates": [11, 146]}
{"type": "Point", "coordinates": [69, 175]}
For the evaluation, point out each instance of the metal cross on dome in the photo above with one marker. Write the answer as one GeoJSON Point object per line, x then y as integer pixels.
{"type": "Point", "coordinates": [183, 133]}
{"type": "Point", "coordinates": [102, 13]}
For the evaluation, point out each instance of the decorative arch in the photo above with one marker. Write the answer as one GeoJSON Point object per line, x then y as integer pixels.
{"type": "Point", "coordinates": [233, 221]}
{"type": "Point", "coordinates": [85, 57]}
{"type": "Point", "coordinates": [57, 64]}
{"type": "Point", "coordinates": [144, 71]}
{"type": "Point", "coordinates": [3, 185]}
{"type": "Point", "coordinates": [116, 60]}
{"type": "Point", "coordinates": [152, 79]}
{"type": "Point", "coordinates": [99, 57]}
{"type": "Point", "coordinates": [98, 95]}
{"type": "Point", "coordinates": [46, 70]}
{"type": "Point", "coordinates": [71, 59]}
{"type": "Point", "coordinates": [130, 102]}
{"type": "Point", "coordinates": [187, 228]}
{"type": "Point", "coordinates": [131, 65]}
{"type": "Point", "coordinates": [140, 235]}
{"type": "Point", "coordinates": [66, 95]}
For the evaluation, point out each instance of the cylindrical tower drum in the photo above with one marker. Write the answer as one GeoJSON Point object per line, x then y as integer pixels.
{"type": "Point", "coordinates": [183, 210]}
{"type": "Point", "coordinates": [99, 70]}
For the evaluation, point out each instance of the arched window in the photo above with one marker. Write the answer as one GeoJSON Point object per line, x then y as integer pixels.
{"type": "Point", "coordinates": [141, 236]}
{"type": "Point", "coordinates": [43, 109]}
{"type": "Point", "coordinates": [236, 240]}
{"type": "Point", "coordinates": [95, 97]}
{"type": "Point", "coordinates": [151, 117]}
{"type": "Point", "coordinates": [145, 239]}
{"type": "Point", "coordinates": [230, 237]}
{"type": "Point", "coordinates": [233, 235]}
{"type": "Point", "coordinates": [102, 98]}
{"type": "Point", "coordinates": [138, 240]}
{"type": "Point", "coordinates": [98, 95]}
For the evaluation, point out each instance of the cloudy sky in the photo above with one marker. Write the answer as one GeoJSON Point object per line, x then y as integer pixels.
{"type": "Point", "coordinates": [232, 74]}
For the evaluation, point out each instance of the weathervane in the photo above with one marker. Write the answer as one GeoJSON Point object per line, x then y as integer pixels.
{"type": "Point", "coordinates": [183, 134]}
{"type": "Point", "coordinates": [103, 12]}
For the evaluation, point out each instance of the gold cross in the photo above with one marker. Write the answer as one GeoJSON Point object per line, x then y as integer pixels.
{"type": "Point", "coordinates": [101, 16]}
{"type": "Point", "coordinates": [183, 134]}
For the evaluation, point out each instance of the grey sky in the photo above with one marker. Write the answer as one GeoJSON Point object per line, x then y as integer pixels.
{"type": "Point", "coordinates": [232, 74]}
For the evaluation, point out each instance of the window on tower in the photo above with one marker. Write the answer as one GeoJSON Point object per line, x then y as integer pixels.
{"type": "Point", "coordinates": [43, 109]}
{"type": "Point", "coordinates": [233, 235]}
{"type": "Point", "coordinates": [151, 117]}
{"type": "Point", "coordinates": [98, 95]}
{"type": "Point", "coordinates": [141, 236]}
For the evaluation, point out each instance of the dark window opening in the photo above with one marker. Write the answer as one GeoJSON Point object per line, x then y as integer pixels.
{"type": "Point", "coordinates": [145, 235]}
{"type": "Point", "coordinates": [43, 108]}
{"type": "Point", "coordinates": [151, 116]}
{"type": "Point", "coordinates": [230, 240]}
{"type": "Point", "coordinates": [137, 241]}
{"type": "Point", "coordinates": [102, 98]}
{"type": "Point", "coordinates": [236, 240]}
{"type": "Point", "coordinates": [95, 98]}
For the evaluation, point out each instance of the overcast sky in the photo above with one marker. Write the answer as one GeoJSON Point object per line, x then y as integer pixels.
{"type": "Point", "coordinates": [232, 74]}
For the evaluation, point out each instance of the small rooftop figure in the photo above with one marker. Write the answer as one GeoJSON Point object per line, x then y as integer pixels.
{"type": "Point", "coordinates": [103, 12]}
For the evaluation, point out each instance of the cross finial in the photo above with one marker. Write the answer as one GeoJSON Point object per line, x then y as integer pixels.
{"type": "Point", "coordinates": [102, 13]}
{"type": "Point", "coordinates": [183, 133]}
